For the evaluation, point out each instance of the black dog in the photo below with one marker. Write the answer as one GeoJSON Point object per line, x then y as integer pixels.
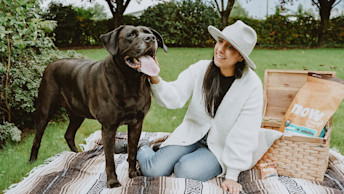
{"type": "Point", "coordinates": [113, 91]}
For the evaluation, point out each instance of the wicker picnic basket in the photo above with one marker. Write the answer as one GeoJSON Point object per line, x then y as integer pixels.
{"type": "Point", "coordinates": [296, 156]}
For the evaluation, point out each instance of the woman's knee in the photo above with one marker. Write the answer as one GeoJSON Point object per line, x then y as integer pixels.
{"type": "Point", "coordinates": [150, 170]}
{"type": "Point", "coordinates": [184, 169]}
{"type": "Point", "coordinates": [162, 162]}
{"type": "Point", "coordinates": [197, 168]}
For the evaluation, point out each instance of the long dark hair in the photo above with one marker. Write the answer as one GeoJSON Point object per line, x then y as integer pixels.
{"type": "Point", "coordinates": [211, 84]}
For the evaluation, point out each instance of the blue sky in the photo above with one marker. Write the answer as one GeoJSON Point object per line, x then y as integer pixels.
{"type": "Point", "coordinates": [255, 8]}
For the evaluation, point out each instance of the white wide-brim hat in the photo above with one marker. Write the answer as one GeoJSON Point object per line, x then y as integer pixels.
{"type": "Point", "coordinates": [241, 36]}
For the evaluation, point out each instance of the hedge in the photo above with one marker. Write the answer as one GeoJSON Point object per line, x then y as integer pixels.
{"type": "Point", "coordinates": [185, 24]}
{"type": "Point", "coordinates": [25, 50]}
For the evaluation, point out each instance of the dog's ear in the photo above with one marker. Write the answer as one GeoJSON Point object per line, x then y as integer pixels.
{"type": "Point", "coordinates": [161, 43]}
{"type": "Point", "coordinates": [110, 40]}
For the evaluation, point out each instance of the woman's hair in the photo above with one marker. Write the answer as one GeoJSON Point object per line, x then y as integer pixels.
{"type": "Point", "coordinates": [211, 84]}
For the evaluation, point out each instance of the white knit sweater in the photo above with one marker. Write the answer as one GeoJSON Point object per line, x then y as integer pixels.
{"type": "Point", "coordinates": [233, 132]}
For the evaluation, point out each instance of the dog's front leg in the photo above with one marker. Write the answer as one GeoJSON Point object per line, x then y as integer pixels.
{"type": "Point", "coordinates": [134, 133]}
{"type": "Point", "coordinates": [108, 133]}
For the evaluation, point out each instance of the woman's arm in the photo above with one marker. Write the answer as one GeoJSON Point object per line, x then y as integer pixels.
{"type": "Point", "coordinates": [175, 94]}
{"type": "Point", "coordinates": [242, 140]}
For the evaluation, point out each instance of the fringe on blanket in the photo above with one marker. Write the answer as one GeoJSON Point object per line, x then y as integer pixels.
{"type": "Point", "coordinates": [84, 172]}
{"type": "Point", "coordinates": [37, 170]}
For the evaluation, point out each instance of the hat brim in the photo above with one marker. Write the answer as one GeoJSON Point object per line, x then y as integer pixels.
{"type": "Point", "coordinates": [216, 33]}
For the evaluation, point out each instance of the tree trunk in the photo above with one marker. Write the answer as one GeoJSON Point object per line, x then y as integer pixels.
{"type": "Point", "coordinates": [118, 11]}
{"type": "Point", "coordinates": [225, 13]}
{"type": "Point", "coordinates": [325, 11]}
{"type": "Point", "coordinates": [9, 46]}
{"type": "Point", "coordinates": [325, 7]}
{"type": "Point", "coordinates": [118, 20]}
{"type": "Point", "coordinates": [224, 19]}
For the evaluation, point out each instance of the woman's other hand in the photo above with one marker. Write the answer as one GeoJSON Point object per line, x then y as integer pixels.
{"type": "Point", "coordinates": [232, 186]}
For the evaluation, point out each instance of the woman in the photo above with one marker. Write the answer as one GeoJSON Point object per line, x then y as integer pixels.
{"type": "Point", "coordinates": [219, 132]}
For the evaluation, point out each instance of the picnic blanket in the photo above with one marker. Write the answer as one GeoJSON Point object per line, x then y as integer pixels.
{"type": "Point", "coordinates": [84, 172]}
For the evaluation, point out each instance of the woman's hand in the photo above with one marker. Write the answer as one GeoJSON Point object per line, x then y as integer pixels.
{"type": "Point", "coordinates": [155, 79]}
{"type": "Point", "coordinates": [232, 186]}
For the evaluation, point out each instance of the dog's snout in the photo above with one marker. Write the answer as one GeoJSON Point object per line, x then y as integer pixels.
{"type": "Point", "coordinates": [149, 38]}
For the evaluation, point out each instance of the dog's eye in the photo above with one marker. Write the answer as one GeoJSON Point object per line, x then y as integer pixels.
{"type": "Point", "coordinates": [133, 34]}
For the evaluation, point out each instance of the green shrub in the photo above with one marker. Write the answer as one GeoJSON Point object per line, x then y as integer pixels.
{"type": "Point", "coordinates": [78, 26]}
{"type": "Point", "coordinates": [9, 131]}
{"type": "Point", "coordinates": [67, 19]}
{"type": "Point", "coordinates": [335, 33]}
{"type": "Point", "coordinates": [182, 23]}
{"type": "Point", "coordinates": [26, 49]}
{"type": "Point", "coordinates": [279, 30]}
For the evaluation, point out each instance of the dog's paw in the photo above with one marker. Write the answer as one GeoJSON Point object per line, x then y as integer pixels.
{"type": "Point", "coordinates": [134, 174]}
{"type": "Point", "coordinates": [113, 183]}
{"type": "Point", "coordinates": [32, 159]}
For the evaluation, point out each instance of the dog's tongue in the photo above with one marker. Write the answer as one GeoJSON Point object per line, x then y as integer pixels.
{"type": "Point", "coordinates": [148, 66]}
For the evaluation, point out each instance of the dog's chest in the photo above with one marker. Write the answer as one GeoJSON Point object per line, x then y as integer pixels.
{"type": "Point", "coordinates": [134, 102]}
{"type": "Point", "coordinates": [133, 108]}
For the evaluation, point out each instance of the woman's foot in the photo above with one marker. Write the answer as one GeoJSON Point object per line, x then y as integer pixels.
{"type": "Point", "coordinates": [121, 146]}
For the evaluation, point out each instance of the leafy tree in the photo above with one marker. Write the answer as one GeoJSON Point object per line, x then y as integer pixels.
{"type": "Point", "coordinates": [66, 32]}
{"type": "Point", "coordinates": [77, 26]}
{"type": "Point", "coordinates": [182, 23]}
{"type": "Point", "coordinates": [229, 8]}
{"type": "Point", "coordinates": [25, 50]}
{"type": "Point", "coordinates": [224, 8]}
{"type": "Point", "coordinates": [238, 11]}
{"type": "Point", "coordinates": [94, 13]}
{"type": "Point", "coordinates": [117, 9]}
{"type": "Point", "coordinates": [324, 7]}
{"type": "Point", "coordinates": [98, 12]}
{"type": "Point", "coordinates": [20, 28]}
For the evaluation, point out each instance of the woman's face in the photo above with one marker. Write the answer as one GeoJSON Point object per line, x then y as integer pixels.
{"type": "Point", "coordinates": [225, 57]}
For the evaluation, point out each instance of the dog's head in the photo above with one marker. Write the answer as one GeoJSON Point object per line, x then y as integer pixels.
{"type": "Point", "coordinates": [133, 44]}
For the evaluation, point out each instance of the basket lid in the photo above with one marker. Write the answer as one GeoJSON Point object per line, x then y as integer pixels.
{"type": "Point", "coordinates": [280, 88]}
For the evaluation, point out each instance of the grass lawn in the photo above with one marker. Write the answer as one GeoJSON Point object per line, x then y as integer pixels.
{"type": "Point", "coordinates": [14, 157]}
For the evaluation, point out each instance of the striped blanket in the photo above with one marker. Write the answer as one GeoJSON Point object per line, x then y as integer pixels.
{"type": "Point", "coordinates": [84, 172]}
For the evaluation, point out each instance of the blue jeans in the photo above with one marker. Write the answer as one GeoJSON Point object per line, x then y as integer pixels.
{"type": "Point", "coordinates": [195, 161]}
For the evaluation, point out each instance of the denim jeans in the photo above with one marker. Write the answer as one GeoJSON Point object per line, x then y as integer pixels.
{"type": "Point", "coordinates": [195, 161]}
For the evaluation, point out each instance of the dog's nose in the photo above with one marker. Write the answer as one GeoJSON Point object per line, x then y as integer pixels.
{"type": "Point", "coordinates": [149, 38]}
